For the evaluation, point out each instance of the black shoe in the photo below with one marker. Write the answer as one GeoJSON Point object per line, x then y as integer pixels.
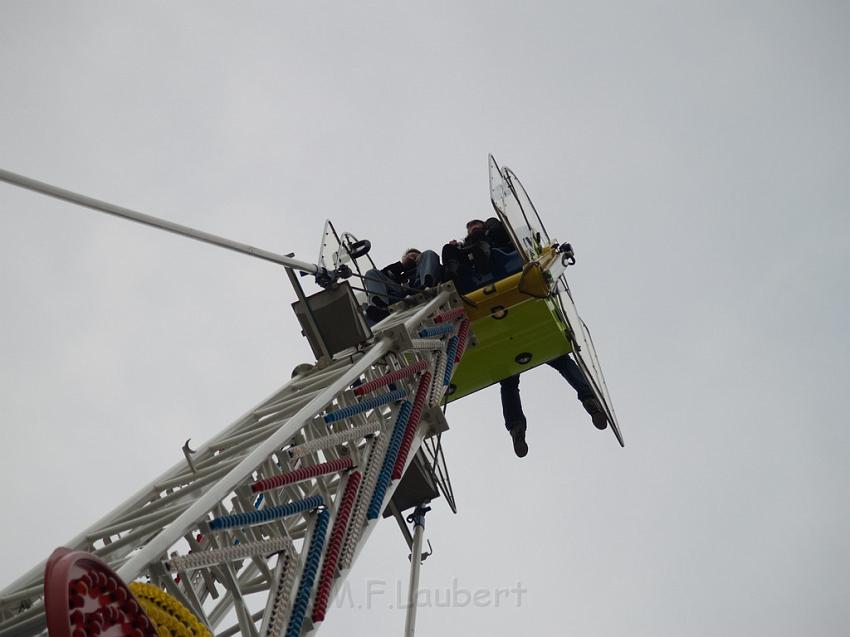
{"type": "Point", "coordinates": [518, 436]}
{"type": "Point", "coordinates": [377, 314]}
{"type": "Point", "coordinates": [597, 414]}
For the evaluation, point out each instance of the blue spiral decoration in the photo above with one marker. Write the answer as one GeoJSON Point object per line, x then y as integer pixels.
{"type": "Point", "coordinates": [311, 565]}
{"type": "Point", "coordinates": [259, 500]}
{"type": "Point", "coordinates": [436, 330]}
{"type": "Point", "coordinates": [266, 515]}
{"type": "Point", "coordinates": [386, 473]}
{"type": "Point", "coordinates": [365, 405]}
{"type": "Point", "coordinates": [451, 352]}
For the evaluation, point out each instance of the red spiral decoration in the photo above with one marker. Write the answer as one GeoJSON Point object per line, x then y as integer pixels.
{"type": "Point", "coordinates": [392, 377]}
{"type": "Point", "coordinates": [323, 590]}
{"type": "Point", "coordinates": [302, 473]}
{"type": "Point", "coordinates": [412, 424]}
{"type": "Point", "coordinates": [462, 335]}
{"type": "Point", "coordinates": [449, 315]}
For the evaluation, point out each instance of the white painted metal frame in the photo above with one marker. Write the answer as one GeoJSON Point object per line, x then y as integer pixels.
{"type": "Point", "coordinates": [138, 538]}
{"type": "Point", "coordinates": [148, 220]}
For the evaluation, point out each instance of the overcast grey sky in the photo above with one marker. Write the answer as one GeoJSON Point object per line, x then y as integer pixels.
{"type": "Point", "coordinates": [695, 154]}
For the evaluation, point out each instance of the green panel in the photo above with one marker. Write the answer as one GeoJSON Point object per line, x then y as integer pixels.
{"type": "Point", "coordinates": [532, 326]}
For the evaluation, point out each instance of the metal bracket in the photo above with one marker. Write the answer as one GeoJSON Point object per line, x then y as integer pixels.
{"type": "Point", "coordinates": [398, 336]}
{"type": "Point", "coordinates": [324, 357]}
{"type": "Point", "coordinates": [187, 452]}
{"type": "Point", "coordinates": [436, 420]}
{"type": "Point", "coordinates": [424, 555]}
{"type": "Point", "coordinates": [568, 255]}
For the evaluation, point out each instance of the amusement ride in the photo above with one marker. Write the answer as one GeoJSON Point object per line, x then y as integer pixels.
{"type": "Point", "coordinates": [278, 506]}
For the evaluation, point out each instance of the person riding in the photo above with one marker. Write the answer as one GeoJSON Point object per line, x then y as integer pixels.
{"type": "Point", "coordinates": [467, 264]}
{"type": "Point", "coordinates": [467, 261]}
{"type": "Point", "coordinates": [515, 421]}
{"type": "Point", "coordinates": [415, 270]}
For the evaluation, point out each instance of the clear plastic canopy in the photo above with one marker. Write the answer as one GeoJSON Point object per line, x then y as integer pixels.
{"type": "Point", "coordinates": [516, 211]}
{"type": "Point", "coordinates": [334, 251]}
{"type": "Point", "coordinates": [514, 207]}
{"type": "Point", "coordinates": [585, 354]}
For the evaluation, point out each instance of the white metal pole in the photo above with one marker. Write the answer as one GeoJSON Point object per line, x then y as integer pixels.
{"type": "Point", "coordinates": [418, 518]}
{"type": "Point", "coordinates": [139, 217]}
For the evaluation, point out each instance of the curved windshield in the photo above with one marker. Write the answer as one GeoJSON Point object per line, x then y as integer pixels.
{"type": "Point", "coordinates": [508, 209]}
{"type": "Point", "coordinates": [329, 250]}
{"type": "Point", "coordinates": [531, 215]}
{"type": "Point", "coordinates": [585, 352]}
{"type": "Point", "coordinates": [516, 211]}
{"type": "Point", "coordinates": [334, 251]}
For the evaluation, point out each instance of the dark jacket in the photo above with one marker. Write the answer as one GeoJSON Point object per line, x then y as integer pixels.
{"type": "Point", "coordinates": [400, 274]}
{"type": "Point", "coordinates": [495, 234]}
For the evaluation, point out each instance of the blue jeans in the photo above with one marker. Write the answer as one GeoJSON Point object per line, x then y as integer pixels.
{"type": "Point", "coordinates": [512, 404]}
{"type": "Point", "coordinates": [428, 270]}
{"type": "Point", "coordinates": [382, 290]}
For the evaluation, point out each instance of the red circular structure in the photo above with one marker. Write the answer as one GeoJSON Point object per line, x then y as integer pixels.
{"type": "Point", "coordinates": [83, 596]}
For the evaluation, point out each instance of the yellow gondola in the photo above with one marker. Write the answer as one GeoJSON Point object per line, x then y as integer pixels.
{"type": "Point", "coordinates": [522, 315]}
{"type": "Point", "coordinates": [528, 317]}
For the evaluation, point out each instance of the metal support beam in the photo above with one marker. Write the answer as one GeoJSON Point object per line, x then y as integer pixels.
{"type": "Point", "coordinates": [418, 520]}
{"type": "Point", "coordinates": [214, 494]}
{"type": "Point", "coordinates": [149, 220]}
{"type": "Point", "coordinates": [158, 521]}
{"type": "Point", "coordinates": [405, 532]}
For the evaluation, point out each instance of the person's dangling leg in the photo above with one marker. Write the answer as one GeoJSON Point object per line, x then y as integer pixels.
{"type": "Point", "coordinates": [380, 293]}
{"type": "Point", "coordinates": [573, 375]}
{"type": "Point", "coordinates": [428, 271]}
{"type": "Point", "coordinates": [511, 402]}
{"type": "Point", "coordinates": [377, 292]}
{"type": "Point", "coordinates": [512, 411]}
{"type": "Point", "coordinates": [395, 292]}
{"type": "Point", "coordinates": [576, 378]}
{"type": "Point", "coordinates": [452, 258]}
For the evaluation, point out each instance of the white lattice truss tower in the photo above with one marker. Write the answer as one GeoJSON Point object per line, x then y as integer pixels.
{"type": "Point", "coordinates": [168, 532]}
